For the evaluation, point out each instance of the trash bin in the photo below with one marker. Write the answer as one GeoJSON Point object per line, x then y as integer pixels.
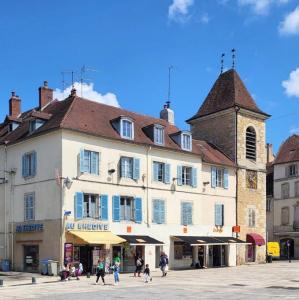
{"type": "Point", "coordinates": [52, 268]}
{"type": "Point", "coordinates": [5, 265]}
{"type": "Point", "coordinates": [269, 259]}
{"type": "Point", "coordinates": [44, 267]}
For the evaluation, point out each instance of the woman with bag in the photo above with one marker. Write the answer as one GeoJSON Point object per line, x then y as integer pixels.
{"type": "Point", "coordinates": [100, 271]}
{"type": "Point", "coordinates": [163, 264]}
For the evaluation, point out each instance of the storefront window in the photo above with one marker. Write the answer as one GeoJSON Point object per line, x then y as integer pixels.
{"type": "Point", "coordinates": [182, 250]}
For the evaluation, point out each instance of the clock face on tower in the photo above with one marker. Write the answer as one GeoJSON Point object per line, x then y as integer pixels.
{"type": "Point", "coordinates": [251, 179]}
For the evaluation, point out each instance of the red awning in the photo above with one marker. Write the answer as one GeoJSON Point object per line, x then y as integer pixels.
{"type": "Point", "coordinates": [255, 239]}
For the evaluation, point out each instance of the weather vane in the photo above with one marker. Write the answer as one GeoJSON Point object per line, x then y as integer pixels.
{"type": "Point", "coordinates": [234, 57]}
{"type": "Point", "coordinates": [222, 61]}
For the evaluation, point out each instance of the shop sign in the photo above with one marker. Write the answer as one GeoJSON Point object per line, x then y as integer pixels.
{"type": "Point", "coordinates": [29, 228]}
{"type": "Point", "coordinates": [87, 226]}
{"type": "Point", "coordinates": [68, 252]}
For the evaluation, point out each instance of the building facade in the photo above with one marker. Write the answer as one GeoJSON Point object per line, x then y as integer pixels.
{"type": "Point", "coordinates": [231, 120]}
{"type": "Point", "coordinates": [286, 198]}
{"type": "Point", "coordinates": [82, 180]}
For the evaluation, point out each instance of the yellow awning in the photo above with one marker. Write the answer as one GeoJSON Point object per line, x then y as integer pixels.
{"type": "Point", "coordinates": [94, 237]}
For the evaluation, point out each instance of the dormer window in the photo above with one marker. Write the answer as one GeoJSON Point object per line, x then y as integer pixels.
{"type": "Point", "coordinates": [186, 141]}
{"type": "Point", "coordinates": [127, 128]}
{"type": "Point", "coordinates": [159, 135]}
{"type": "Point", "coordinates": [13, 126]}
{"type": "Point", "coordinates": [35, 124]}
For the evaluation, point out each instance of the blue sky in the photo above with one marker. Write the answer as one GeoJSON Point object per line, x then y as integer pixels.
{"type": "Point", "coordinates": [131, 44]}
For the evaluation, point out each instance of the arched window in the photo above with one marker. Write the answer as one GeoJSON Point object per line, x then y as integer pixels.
{"type": "Point", "coordinates": [250, 143]}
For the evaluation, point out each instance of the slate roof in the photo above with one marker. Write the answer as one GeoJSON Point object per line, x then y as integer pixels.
{"type": "Point", "coordinates": [288, 151]}
{"type": "Point", "coordinates": [82, 115]}
{"type": "Point", "coordinates": [228, 91]}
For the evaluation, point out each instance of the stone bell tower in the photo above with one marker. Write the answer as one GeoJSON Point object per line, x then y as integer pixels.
{"type": "Point", "coordinates": [230, 119]}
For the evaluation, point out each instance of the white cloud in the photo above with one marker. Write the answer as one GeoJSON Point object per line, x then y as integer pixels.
{"type": "Point", "coordinates": [291, 85]}
{"type": "Point", "coordinates": [179, 10]}
{"type": "Point", "coordinates": [88, 92]}
{"type": "Point", "coordinates": [261, 7]}
{"type": "Point", "coordinates": [290, 24]}
{"type": "Point", "coordinates": [205, 19]}
{"type": "Point", "coordinates": [294, 130]}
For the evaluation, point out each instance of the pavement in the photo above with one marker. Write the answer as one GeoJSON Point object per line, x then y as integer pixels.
{"type": "Point", "coordinates": [279, 280]}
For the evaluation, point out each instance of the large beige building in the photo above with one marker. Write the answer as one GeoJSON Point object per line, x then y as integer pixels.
{"type": "Point", "coordinates": [285, 204]}
{"type": "Point", "coordinates": [81, 180]}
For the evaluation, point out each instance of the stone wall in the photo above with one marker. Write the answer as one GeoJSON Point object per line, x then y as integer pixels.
{"type": "Point", "coordinates": [219, 129]}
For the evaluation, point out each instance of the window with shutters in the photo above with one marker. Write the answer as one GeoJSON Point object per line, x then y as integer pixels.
{"type": "Point", "coordinates": [29, 207]}
{"type": "Point", "coordinates": [186, 213]}
{"type": "Point", "coordinates": [251, 217]}
{"type": "Point", "coordinates": [285, 190]}
{"type": "Point", "coordinates": [219, 178]}
{"type": "Point", "coordinates": [127, 128]}
{"type": "Point", "coordinates": [29, 164]}
{"type": "Point", "coordinates": [186, 142]}
{"type": "Point", "coordinates": [159, 135]}
{"type": "Point", "coordinates": [292, 170]}
{"type": "Point", "coordinates": [186, 175]}
{"type": "Point", "coordinates": [161, 172]}
{"type": "Point", "coordinates": [158, 211]}
{"type": "Point", "coordinates": [91, 206]}
{"type": "Point", "coordinates": [126, 167]}
{"type": "Point", "coordinates": [250, 143]}
{"type": "Point", "coordinates": [297, 189]}
{"type": "Point", "coordinates": [127, 209]}
{"type": "Point", "coordinates": [90, 162]}
{"type": "Point", "coordinates": [285, 216]}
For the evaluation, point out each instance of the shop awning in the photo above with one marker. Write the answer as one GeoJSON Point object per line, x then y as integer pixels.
{"type": "Point", "coordinates": [230, 240]}
{"type": "Point", "coordinates": [94, 237]}
{"type": "Point", "coordinates": [136, 240]}
{"type": "Point", "coordinates": [255, 238]}
{"type": "Point", "coordinates": [199, 240]}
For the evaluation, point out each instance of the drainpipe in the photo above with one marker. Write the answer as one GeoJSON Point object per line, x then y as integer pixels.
{"type": "Point", "coordinates": [236, 161]}
{"type": "Point", "coordinates": [5, 206]}
{"type": "Point", "coordinates": [147, 184]}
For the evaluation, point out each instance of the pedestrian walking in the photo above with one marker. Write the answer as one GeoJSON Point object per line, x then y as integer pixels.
{"type": "Point", "coordinates": [139, 262]}
{"type": "Point", "coordinates": [79, 271]}
{"type": "Point", "coordinates": [116, 268]}
{"type": "Point", "coordinates": [163, 264]}
{"type": "Point", "coordinates": [100, 271]}
{"type": "Point", "coordinates": [147, 274]}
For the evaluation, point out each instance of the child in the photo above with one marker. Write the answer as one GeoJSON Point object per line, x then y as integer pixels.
{"type": "Point", "coordinates": [101, 271]}
{"type": "Point", "coordinates": [147, 274]}
{"type": "Point", "coordinates": [115, 269]}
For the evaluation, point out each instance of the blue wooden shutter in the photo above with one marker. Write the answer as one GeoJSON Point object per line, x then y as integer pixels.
{"type": "Point", "coordinates": [94, 163]}
{"type": "Point", "coordinates": [222, 214]}
{"type": "Point", "coordinates": [225, 178]}
{"type": "Point", "coordinates": [155, 171]}
{"type": "Point", "coordinates": [82, 160]}
{"type": "Point", "coordinates": [184, 213]}
{"type": "Point", "coordinates": [189, 213]}
{"type": "Point", "coordinates": [156, 211]}
{"type": "Point", "coordinates": [136, 168]}
{"type": "Point", "coordinates": [167, 173]}
{"type": "Point", "coordinates": [138, 210]}
{"type": "Point", "coordinates": [213, 178]}
{"type": "Point", "coordinates": [104, 207]}
{"type": "Point", "coordinates": [116, 208]}
{"type": "Point", "coordinates": [194, 177]}
{"type": "Point", "coordinates": [79, 205]}
{"type": "Point", "coordinates": [33, 161]}
{"type": "Point", "coordinates": [179, 175]}
{"type": "Point", "coordinates": [218, 214]}
{"type": "Point", "coordinates": [122, 167]}
{"type": "Point", "coordinates": [162, 212]}
{"type": "Point", "coordinates": [24, 170]}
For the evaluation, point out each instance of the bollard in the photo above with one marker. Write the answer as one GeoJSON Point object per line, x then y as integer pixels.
{"type": "Point", "coordinates": [33, 280]}
{"type": "Point", "coordinates": [88, 275]}
{"type": "Point", "coordinates": [1, 282]}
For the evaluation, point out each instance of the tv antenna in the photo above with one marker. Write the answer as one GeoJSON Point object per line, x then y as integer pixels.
{"type": "Point", "coordinates": [83, 70]}
{"type": "Point", "coordinates": [169, 77]}
{"type": "Point", "coordinates": [64, 83]}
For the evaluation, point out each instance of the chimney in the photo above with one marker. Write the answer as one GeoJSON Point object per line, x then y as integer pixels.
{"type": "Point", "coordinates": [270, 155]}
{"type": "Point", "coordinates": [45, 95]}
{"type": "Point", "coordinates": [167, 114]}
{"type": "Point", "coordinates": [14, 105]}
